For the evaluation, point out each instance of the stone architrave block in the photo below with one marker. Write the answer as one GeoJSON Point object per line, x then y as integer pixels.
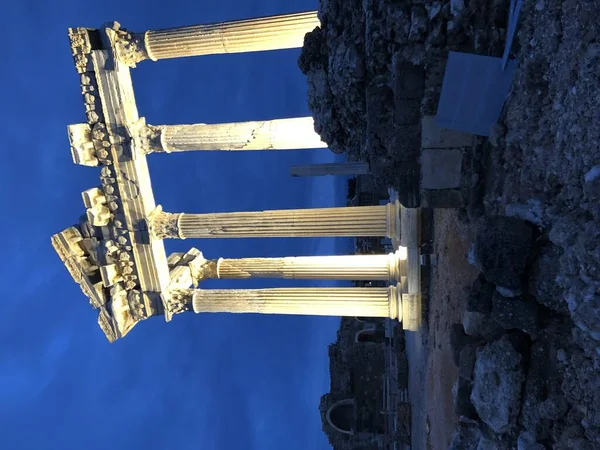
{"type": "Point", "coordinates": [441, 169]}
{"type": "Point", "coordinates": [433, 136]}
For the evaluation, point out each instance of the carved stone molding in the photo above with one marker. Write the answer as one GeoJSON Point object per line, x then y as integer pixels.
{"type": "Point", "coordinates": [164, 225]}
{"type": "Point", "coordinates": [81, 47]}
{"type": "Point", "coordinates": [128, 47]}
{"type": "Point", "coordinates": [180, 301]}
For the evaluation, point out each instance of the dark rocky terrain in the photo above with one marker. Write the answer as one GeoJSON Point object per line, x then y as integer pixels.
{"type": "Point", "coordinates": [532, 323]}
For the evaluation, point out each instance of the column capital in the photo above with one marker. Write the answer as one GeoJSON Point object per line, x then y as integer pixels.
{"type": "Point", "coordinates": [180, 301]}
{"type": "Point", "coordinates": [163, 225]}
{"type": "Point", "coordinates": [130, 48]}
{"type": "Point", "coordinates": [148, 138]}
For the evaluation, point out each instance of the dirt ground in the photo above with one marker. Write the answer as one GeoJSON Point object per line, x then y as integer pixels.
{"type": "Point", "coordinates": [434, 375]}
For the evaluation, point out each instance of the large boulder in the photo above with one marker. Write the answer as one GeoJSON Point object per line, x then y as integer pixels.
{"type": "Point", "coordinates": [458, 341]}
{"type": "Point", "coordinates": [517, 313]}
{"type": "Point", "coordinates": [543, 401]}
{"type": "Point", "coordinates": [543, 284]}
{"type": "Point", "coordinates": [465, 437]}
{"type": "Point", "coordinates": [502, 249]}
{"type": "Point", "coordinates": [498, 378]}
{"type": "Point", "coordinates": [463, 406]}
{"type": "Point", "coordinates": [477, 319]}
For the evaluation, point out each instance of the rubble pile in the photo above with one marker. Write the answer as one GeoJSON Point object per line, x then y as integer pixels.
{"type": "Point", "coordinates": [524, 379]}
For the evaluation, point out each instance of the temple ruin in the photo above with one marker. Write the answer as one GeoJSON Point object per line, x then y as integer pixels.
{"type": "Point", "coordinates": [116, 251]}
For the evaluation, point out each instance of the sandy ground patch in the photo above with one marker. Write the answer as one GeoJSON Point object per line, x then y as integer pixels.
{"type": "Point", "coordinates": [432, 373]}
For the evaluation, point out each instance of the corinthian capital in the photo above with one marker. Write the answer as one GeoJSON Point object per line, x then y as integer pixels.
{"type": "Point", "coordinates": [127, 46]}
{"type": "Point", "coordinates": [164, 225]}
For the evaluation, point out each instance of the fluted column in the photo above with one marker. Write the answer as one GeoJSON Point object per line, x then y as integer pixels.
{"type": "Point", "coordinates": [362, 302]}
{"type": "Point", "coordinates": [319, 170]}
{"type": "Point", "coordinates": [250, 35]}
{"type": "Point", "coordinates": [279, 134]}
{"type": "Point", "coordinates": [389, 267]}
{"type": "Point", "coordinates": [356, 221]}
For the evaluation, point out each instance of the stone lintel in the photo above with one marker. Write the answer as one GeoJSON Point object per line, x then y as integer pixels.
{"type": "Point", "coordinates": [433, 136]}
{"type": "Point", "coordinates": [128, 182]}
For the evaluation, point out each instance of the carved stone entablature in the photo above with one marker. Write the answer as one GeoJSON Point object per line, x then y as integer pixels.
{"type": "Point", "coordinates": [118, 307]}
{"type": "Point", "coordinates": [82, 147]}
{"type": "Point", "coordinates": [128, 47]}
{"type": "Point", "coordinates": [163, 225]}
{"type": "Point", "coordinates": [90, 145]}
{"type": "Point", "coordinates": [83, 41]}
{"type": "Point", "coordinates": [97, 210]}
{"type": "Point", "coordinates": [107, 325]}
{"type": "Point", "coordinates": [119, 262]}
{"type": "Point", "coordinates": [71, 248]}
{"type": "Point", "coordinates": [111, 193]}
{"type": "Point", "coordinates": [91, 97]}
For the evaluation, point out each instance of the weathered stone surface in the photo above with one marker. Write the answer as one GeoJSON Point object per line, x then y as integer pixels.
{"type": "Point", "coordinates": [477, 320]}
{"type": "Point", "coordinates": [465, 437]}
{"type": "Point", "coordinates": [498, 377]}
{"type": "Point", "coordinates": [441, 168]}
{"type": "Point", "coordinates": [543, 283]}
{"type": "Point", "coordinates": [501, 250]}
{"type": "Point", "coordinates": [433, 136]}
{"type": "Point", "coordinates": [463, 406]}
{"type": "Point", "coordinates": [443, 198]}
{"type": "Point", "coordinates": [515, 313]}
{"type": "Point", "coordinates": [458, 340]}
{"type": "Point", "coordinates": [466, 363]}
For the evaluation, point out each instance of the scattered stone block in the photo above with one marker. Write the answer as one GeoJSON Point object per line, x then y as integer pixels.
{"type": "Point", "coordinates": [466, 436]}
{"type": "Point", "coordinates": [443, 198]}
{"type": "Point", "coordinates": [433, 136]}
{"type": "Point", "coordinates": [498, 378]}
{"type": "Point", "coordinates": [441, 168]}
{"type": "Point", "coordinates": [409, 80]}
{"type": "Point", "coordinates": [515, 313]}
{"type": "Point", "coordinates": [481, 325]}
{"type": "Point", "coordinates": [477, 320]}
{"type": "Point", "coordinates": [466, 362]}
{"type": "Point", "coordinates": [542, 282]}
{"type": "Point", "coordinates": [462, 399]}
{"type": "Point", "coordinates": [501, 250]}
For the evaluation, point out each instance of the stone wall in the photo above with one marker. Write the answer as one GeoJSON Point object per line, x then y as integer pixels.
{"type": "Point", "coordinates": [356, 372]}
{"type": "Point", "coordinates": [374, 68]}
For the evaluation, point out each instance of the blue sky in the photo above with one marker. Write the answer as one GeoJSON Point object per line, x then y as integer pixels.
{"type": "Point", "coordinates": [212, 382]}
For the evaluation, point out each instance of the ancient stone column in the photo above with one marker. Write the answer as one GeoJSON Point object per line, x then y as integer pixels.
{"type": "Point", "coordinates": [280, 134]}
{"type": "Point", "coordinates": [361, 302]}
{"type": "Point", "coordinates": [251, 35]}
{"type": "Point", "coordinates": [389, 267]}
{"type": "Point", "coordinates": [319, 170]}
{"type": "Point", "coordinates": [356, 221]}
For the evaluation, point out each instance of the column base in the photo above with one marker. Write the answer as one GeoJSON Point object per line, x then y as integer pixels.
{"type": "Point", "coordinates": [395, 302]}
{"type": "Point", "coordinates": [398, 264]}
{"type": "Point", "coordinates": [412, 311]}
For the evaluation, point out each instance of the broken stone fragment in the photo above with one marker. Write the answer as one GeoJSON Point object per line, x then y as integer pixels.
{"type": "Point", "coordinates": [501, 250]}
{"type": "Point", "coordinates": [542, 282]}
{"type": "Point", "coordinates": [477, 320]}
{"type": "Point", "coordinates": [515, 313]}
{"type": "Point", "coordinates": [465, 436]}
{"type": "Point", "coordinates": [498, 377]}
{"type": "Point", "coordinates": [466, 362]}
{"type": "Point", "coordinates": [462, 399]}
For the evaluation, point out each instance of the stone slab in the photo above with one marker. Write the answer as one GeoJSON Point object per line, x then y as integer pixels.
{"type": "Point", "coordinates": [441, 169]}
{"type": "Point", "coordinates": [443, 198]}
{"type": "Point", "coordinates": [434, 136]}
